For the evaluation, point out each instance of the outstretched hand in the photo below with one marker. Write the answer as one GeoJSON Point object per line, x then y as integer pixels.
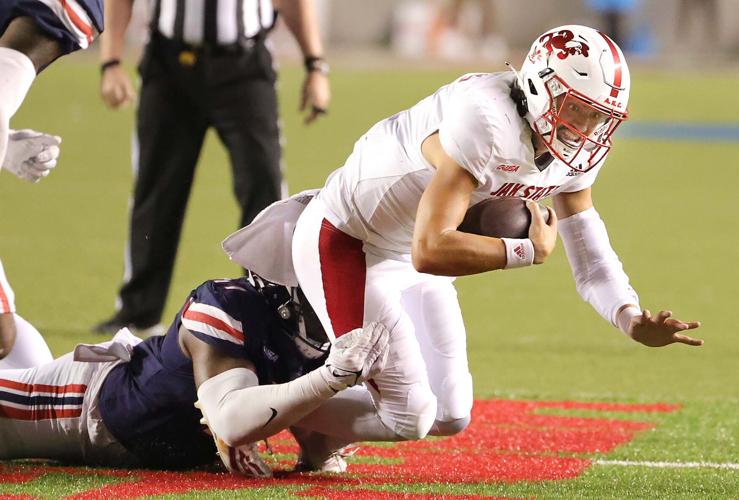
{"type": "Point", "coordinates": [662, 330]}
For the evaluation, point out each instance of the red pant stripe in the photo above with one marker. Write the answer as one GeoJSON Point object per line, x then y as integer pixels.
{"type": "Point", "coordinates": [344, 273]}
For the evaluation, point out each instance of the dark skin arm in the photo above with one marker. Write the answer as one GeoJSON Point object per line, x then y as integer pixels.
{"type": "Point", "coordinates": [207, 361]}
{"type": "Point", "coordinates": [25, 36]}
{"type": "Point", "coordinates": [7, 333]}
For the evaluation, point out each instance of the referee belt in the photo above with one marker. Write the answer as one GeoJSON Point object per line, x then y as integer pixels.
{"type": "Point", "coordinates": [188, 54]}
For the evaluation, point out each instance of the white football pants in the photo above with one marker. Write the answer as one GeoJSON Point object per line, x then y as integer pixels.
{"type": "Point", "coordinates": [426, 377]}
{"type": "Point", "coordinates": [51, 412]}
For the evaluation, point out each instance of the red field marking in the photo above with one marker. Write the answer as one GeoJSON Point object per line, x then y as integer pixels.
{"type": "Point", "coordinates": [20, 476]}
{"type": "Point", "coordinates": [507, 442]}
{"type": "Point", "coordinates": [359, 494]}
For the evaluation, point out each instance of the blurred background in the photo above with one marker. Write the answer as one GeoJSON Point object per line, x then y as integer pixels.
{"type": "Point", "coordinates": [670, 32]}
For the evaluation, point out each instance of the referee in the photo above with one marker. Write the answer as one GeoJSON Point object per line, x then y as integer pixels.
{"type": "Point", "coordinates": [206, 65]}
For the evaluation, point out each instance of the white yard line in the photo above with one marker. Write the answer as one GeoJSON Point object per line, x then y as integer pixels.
{"type": "Point", "coordinates": [669, 465]}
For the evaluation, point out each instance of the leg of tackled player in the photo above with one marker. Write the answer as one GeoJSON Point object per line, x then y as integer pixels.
{"type": "Point", "coordinates": [349, 288]}
{"type": "Point", "coordinates": [433, 307]}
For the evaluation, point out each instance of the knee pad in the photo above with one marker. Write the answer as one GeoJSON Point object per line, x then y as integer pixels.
{"type": "Point", "coordinates": [415, 420]}
{"type": "Point", "coordinates": [455, 397]}
{"type": "Point", "coordinates": [450, 428]}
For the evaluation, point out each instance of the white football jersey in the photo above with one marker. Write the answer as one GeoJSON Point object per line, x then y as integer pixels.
{"type": "Point", "coordinates": [375, 195]}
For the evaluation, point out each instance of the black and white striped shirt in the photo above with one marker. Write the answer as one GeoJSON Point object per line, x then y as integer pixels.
{"type": "Point", "coordinates": [218, 22]}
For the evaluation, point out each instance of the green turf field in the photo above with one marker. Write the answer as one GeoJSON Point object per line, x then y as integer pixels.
{"type": "Point", "coordinates": [668, 205]}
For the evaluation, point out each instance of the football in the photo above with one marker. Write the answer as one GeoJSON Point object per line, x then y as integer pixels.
{"type": "Point", "coordinates": [500, 218]}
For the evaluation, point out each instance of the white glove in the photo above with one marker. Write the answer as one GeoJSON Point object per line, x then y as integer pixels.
{"type": "Point", "coordinates": [31, 155]}
{"type": "Point", "coordinates": [357, 356]}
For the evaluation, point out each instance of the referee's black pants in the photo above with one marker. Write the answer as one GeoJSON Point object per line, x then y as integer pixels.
{"type": "Point", "coordinates": [183, 93]}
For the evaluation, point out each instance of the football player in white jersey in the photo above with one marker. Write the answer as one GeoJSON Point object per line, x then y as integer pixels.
{"type": "Point", "coordinates": [379, 242]}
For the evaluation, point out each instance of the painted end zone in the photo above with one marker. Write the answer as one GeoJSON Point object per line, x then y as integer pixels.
{"type": "Point", "coordinates": [508, 441]}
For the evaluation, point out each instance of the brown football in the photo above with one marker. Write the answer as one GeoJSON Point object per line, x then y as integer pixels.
{"type": "Point", "coordinates": [500, 218]}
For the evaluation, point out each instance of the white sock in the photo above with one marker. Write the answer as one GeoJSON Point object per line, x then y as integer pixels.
{"type": "Point", "coordinates": [16, 76]}
{"type": "Point", "coordinates": [29, 350]}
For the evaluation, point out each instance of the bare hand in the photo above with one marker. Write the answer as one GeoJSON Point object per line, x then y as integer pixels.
{"type": "Point", "coordinates": [542, 234]}
{"type": "Point", "coordinates": [661, 330]}
{"type": "Point", "coordinates": [316, 96]}
{"type": "Point", "coordinates": [116, 89]}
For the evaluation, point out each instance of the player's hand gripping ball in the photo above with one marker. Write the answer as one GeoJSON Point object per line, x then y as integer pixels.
{"type": "Point", "coordinates": [500, 218]}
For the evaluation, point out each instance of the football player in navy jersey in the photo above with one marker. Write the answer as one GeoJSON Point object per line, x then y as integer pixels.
{"type": "Point", "coordinates": [33, 33]}
{"type": "Point", "coordinates": [239, 361]}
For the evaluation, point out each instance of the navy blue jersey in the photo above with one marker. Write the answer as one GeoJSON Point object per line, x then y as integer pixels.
{"type": "Point", "coordinates": [147, 403]}
{"type": "Point", "coordinates": [65, 22]}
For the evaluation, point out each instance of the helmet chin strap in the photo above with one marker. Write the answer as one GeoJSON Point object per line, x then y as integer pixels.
{"type": "Point", "coordinates": [515, 72]}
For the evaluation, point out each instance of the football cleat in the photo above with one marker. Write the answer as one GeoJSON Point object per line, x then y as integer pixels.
{"type": "Point", "coordinates": [334, 463]}
{"type": "Point", "coordinates": [318, 452]}
{"type": "Point", "coordinates": [243, 460]}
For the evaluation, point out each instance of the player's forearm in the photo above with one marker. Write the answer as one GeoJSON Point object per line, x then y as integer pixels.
{"type": "Point", "coordinates": [300, 18]}
{"type": "Point", "coordinates": [240, 415]}
{"type": "Point", "coordinates": [597, 270]}
{"type": "Point", "coordinates": [453, 253]}
{"type": "Point", "coordinates": [7, 333]}
{"type": "Point", "coordinates": [117, 18]}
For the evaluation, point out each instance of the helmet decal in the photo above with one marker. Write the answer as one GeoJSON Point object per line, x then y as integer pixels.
{"type": "Point", "coordinates": [563, 44]}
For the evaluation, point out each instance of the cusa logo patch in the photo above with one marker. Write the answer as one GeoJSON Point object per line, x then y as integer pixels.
{"type": "Point", "coordinates": [508, 168]}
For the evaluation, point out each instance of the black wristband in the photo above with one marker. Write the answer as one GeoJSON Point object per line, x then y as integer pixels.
{"type": "Point", "coordinates": [316, 63]}
{"type": "Point", "coordinates": [109, 64]}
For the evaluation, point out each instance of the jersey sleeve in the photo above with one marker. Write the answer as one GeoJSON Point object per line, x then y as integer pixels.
{"type": "Point", "coordinates": [73, 24]}
{"type": "Point", "coordinates": [466, 133]}
{"type": "Point", "coordinates": [215, 314]}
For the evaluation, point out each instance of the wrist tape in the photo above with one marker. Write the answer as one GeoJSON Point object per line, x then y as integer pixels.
{"type": "Point", "coordinates": [518, 252]}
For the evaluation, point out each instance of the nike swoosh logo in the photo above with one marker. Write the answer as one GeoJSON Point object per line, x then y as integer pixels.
{"type": "Point", "coordinates": [274, 414]}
